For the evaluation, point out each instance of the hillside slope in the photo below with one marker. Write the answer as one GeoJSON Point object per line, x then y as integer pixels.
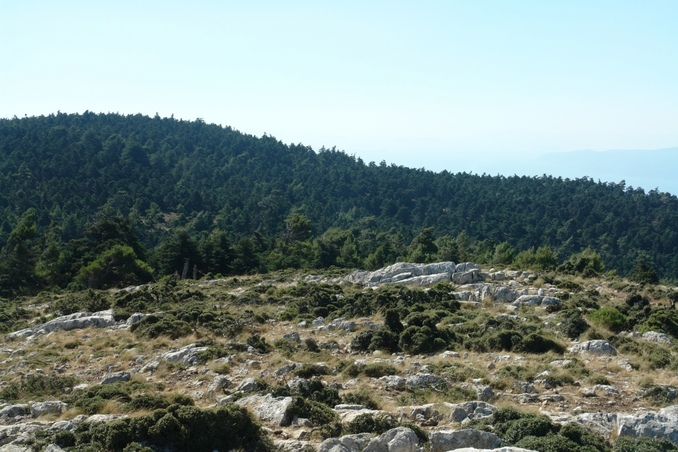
{"type": "Point", "coordinates": [540, 361]}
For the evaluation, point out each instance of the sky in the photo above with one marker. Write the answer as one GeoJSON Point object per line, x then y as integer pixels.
{"type": "Point", "coordinates": [455, 85]}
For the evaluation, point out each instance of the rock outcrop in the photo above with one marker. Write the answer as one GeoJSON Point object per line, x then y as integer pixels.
{"type": "Point", "coordinates": [78, 320]}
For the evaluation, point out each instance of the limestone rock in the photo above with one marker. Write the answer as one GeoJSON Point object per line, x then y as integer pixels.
{"type": "Point", "coordinates": [247, 385]}
{"type": "Point", "coordinates": [528, 300]}
{"type": "Point", "coordinates": [660, 424]}
{"type": "Point", "coordinates": [653, 336]}
{"type": "Point", "coordinates": [393, 382]}
{"type": "Point", "coordinates": [13, 411]}
{"type": "Point", "coordinates": [189, 355]}
{"type": "Point", "coordinates": [347, 443]}
{"type": "Point", "coordinates": [48, 407]}
{"type": "Point", "coordinates": [77, 320]}
{"type": "Point", "coordinates": [400, 439]}
{"type": "Point", "coordinates": [470, 410]}
{"type": "Point", "coordinates": [220, 383]}
{"type": "Point", "coordinates": [135, 318]}
{"type": "Point", "coordinates": [268, 409]}
{"type": "Point", "coordinates": [596, 347]}
{"type": "Point", "coordinates": [445, 440]}
{"type": "Point", "coordinates": [421, 380]}
{"type": "Point", "coordinates": [116, 377]}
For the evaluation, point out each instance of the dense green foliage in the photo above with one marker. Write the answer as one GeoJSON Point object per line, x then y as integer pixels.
{"type": "Point", "coordinates": [177, 428]}
{"type": "Point", "coordinates": [101, 199]}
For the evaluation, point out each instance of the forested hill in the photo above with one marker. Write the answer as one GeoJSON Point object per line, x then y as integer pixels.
{"type": "Point", "coordinates": [174, 182]}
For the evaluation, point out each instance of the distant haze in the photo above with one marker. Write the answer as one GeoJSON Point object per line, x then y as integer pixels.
{"type": "Point", "coordinates": [647, 169]}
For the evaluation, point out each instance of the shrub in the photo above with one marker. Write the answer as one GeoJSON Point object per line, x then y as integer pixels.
{"type": "Point", "coordinates": [315, 390]}
{"type": "Point", "coordinates": [259, 343]}
{"type": "Point", "coordinates": [360, 398]}
{"type": "Point", "coordinates": [573, 324]}
{"type": "Point", "coordinates": [368, 423]}
{"type": "Point", "coordinates": [85, 301]}
{"type": "Point", "coordinates": [377, 370]}
{"type": "Point", "coordinates": [384, 339]}
{"type": "Point", "coordinates": [117, 266]}
{"type": "Point", "coordinates": [310, 370]}
{"type": "Point", "coordinates": [37, 386]}
{"type": "Point", "coordinates": [610, 318]}
{"type": "Point", "coordinates": [318, 413]}
{"type": "Point", "coordinates": [529, 425]}
{"type": "Point", "coordinates": [663, 320]}
{"type": "Point", "coordinates": [583, 437]}
{"type": "Point", "coordinates": [536, 343]}
{"type": "Point", "coordinates": [153, 326]}
{"type": "Point", "coordinates": [661, 395]}
{"type": "Point", "coordinates": [361, 341]}
{"type": "Point", "coordinates": [551, 443]}
{"type": "Point", "coordinates": [643, 444]}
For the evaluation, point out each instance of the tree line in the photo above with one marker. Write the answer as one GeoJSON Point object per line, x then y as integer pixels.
{"type": "Point", "coordinates": [232, 203]}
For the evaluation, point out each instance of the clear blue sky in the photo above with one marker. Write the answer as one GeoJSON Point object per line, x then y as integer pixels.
{"type": "Point", "coordinates": [425, 84]}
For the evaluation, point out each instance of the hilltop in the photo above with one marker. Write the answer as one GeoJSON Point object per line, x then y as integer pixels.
{"type": "Point", "coordinates": [438, 355]}
{"type": "Point", "coordinates": [152, 197]}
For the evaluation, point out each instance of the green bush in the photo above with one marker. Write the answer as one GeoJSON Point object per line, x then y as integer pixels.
{"type": "Point", "coordinates": [318, 413]}
{"type": "Point", "coordinates": [643, 444]}
{"type": "Point", "coordinates": [529, 425]}
{"type": "Point", "coordinates": [177, 428]}
{"type": "Point", "coordinates": [583, 437]}
{"type": "Point", "coordinates": [85, 301]}
{"type": "Point", "coordinates": [259, 343]}
{"type": "Point", "coordinates": [116, 267]}
{"type": "Point", "coordinates": [37, 386]}
{"type": "Point", "coordinates": [153, 326]}
{"type": "Point", "coordinates": [536, 343]}
{"type": "Point", "coordinates": [368, 423]}
{"type": "Point", "coordinates": [378, 370]}
{"type": "Point", "coordinates": [665, 321]}
{"type": "Point", "coordinates": [310, 370]}
{"type": "Point", "coordinates": [360, 398]}
{"type": "Point", "coordinates": [361, 341]}
{"type": "Point", "coordinates": [550, 443]}
{"type": "Point", "coordinates": [573, 324]}
{"type": "Point", "coordinates": [661, 395]}
{"type": "Point", "coordinates": [610, 318]}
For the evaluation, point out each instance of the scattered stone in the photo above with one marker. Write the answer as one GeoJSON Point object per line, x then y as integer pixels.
{"type": "Point", "coordinates": [597, 347]}
{"type": "Point", "coordinates": [78, 320]}
{"type": "Point", "coordinates": [116, 377]}
{"type": "Point", "coordinates": [293, 336]}
{"type": "Point", "coordinates": [447, 440]}
{"type": "Point", "coordinates": [268, 409]}
{"type": "Point", "coordinates": [420, 380]}
{"type": "Point", "coordinates": [14, 411]}
{"type": "Point", "coordinates": [393, 382]}
{"type": "Point", "coordinates": [561, 363]}
{"type": "Point", "coordinates": [189, 355]}
{"type": "Point", "coordinates": [660, 338]}
{"type": "Point", "coordinates": [470, 410]}
{"type": "Point", "coordinates": [220, 383]}
{"type": "Point", "coordinates": [135, 318]}
{"type": "Point", "coordinates": [399, 439]}
{"type": "Point", "coordinates": [347, 443]}
{"type": "Point", "coordinates": [48, 407]}
{"type": "Point", "coordinates": [247, 385]}
{"type": "Point", "coordinates": [528, 300]}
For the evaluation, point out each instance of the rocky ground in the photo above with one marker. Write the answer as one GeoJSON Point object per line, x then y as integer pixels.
{"type": "Point", "coordinates": [615, 381]}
